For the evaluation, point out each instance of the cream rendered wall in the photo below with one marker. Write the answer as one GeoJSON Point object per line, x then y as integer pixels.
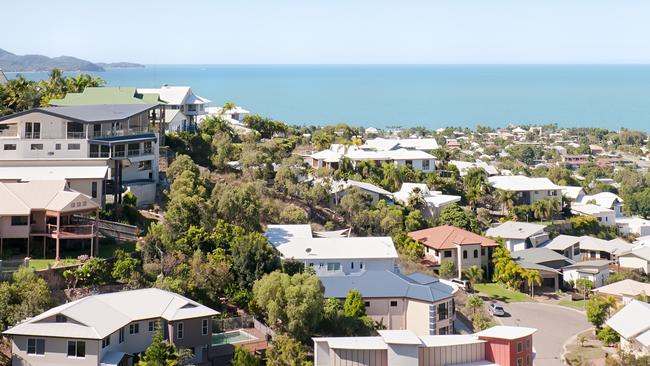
{"type": "Point", "coordinates": [417, 317]}
{"type": "Point", "coordinates": [631, 261]}
{"type": "Point", "coordinates": [538, 195]}
{"type": "Point", "coordinates": [56, 353]}
{"type": "Point", "coordinates": [393, 317]}
{"type": "Point", "coordinates": [11, 232]}
{"type": "Point", "coordinates": [463, 263]}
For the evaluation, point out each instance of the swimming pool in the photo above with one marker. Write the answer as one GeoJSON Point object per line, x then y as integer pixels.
{"type": "Point", "coordinates": [232, 337]}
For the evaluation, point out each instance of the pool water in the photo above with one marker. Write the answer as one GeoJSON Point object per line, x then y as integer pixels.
{"type": "Point", "coordinates": [232, 337]}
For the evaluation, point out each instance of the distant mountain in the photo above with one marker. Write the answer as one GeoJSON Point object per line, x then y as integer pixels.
{"type": "Point", "coordinates": [119, 65]}
{"type": "Point", "coordinates": [11, 62]}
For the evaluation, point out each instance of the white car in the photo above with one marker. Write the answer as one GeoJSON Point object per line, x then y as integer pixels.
{"type": "Point", "coordinates": [496, 309]}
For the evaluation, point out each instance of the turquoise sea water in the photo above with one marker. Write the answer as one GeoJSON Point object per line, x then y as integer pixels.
{"type": "Point", "coordinates": [432, 96]}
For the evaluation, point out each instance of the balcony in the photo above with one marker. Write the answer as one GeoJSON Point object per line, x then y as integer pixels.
{"type": "Point", "coordinates": [97, 154]}
{"type": "Point", "coordinates": [121, 132]}
{"type": "Point", "coordinates": [133, 152]}
{"type": "Point", "coordinates": [66, 231]}
{"type": "Point", "coordinates": [76, 135]}
{"type": "Point", "coordinates": [33, 135]}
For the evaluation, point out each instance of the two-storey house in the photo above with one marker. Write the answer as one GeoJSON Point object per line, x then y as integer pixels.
{"type": "Point", "coordinates": [112, 329]}
{"type": "Point", "coordinates": [527, 190]}
{"type": "Point", "coordinates": [121, 136]}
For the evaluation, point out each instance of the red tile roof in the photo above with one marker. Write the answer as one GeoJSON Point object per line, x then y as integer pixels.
{"type": "Point", "coordinates": [447, 237]}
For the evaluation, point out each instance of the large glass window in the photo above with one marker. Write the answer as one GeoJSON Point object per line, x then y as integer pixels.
{"type": "Point", "coordinates": [77, 349]}
{"type": "Point", "coordinates": [180, 330]}
{"type": "Point", "coordinates": [19, 220]}
{"type": "Point", "coordinates": [106, 342]}
{"type": "Point", "coordinates": [134, 328]}
{"type": "Point", "coordinates": [32, 130]}
{"type": "Point", "coordinates": [425, 164]}
{"type": "Point", "coordinates": [334, 266]}
{"type": "Point", "coordinates": [121, 335]}
{"type": "Point", "coordinates": [10, 147]}
{"type": "Point", "coordinates": [75, 130]}
{"type": "Point", "coordinates": [35, 346]}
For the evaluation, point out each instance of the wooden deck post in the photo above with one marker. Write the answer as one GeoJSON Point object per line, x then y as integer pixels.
{"type": "Point", "coordinates": [58, 228]}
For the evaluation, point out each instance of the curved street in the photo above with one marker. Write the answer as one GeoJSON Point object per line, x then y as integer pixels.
{"type": "Point", "coordinates": [555, 325]}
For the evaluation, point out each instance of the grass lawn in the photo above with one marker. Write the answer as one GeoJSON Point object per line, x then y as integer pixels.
{"type": "Point", "coordinates": [42, 263]}
{"type": "Point", "coordinates": [578, 305]}
{"type": "Point", "coordinates": [500, 293]}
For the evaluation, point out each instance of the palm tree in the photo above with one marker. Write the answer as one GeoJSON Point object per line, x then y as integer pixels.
{"type": "Point", "coordinates": [475, 183]}
{"type": "Point", "coordinates": [416, 199]}
{"type": "Point", "coordinates": [532, 277]}
{"type": "Point", "coordinates": [474, 302]}
{"type": "Point", "coordinates": [505, 198]}
{"type": "Point", "coordinates": [474, 275]}
{"type": "Point", "coordinates": [554, 207]}
{"type": "Point", "coordinates": [539, 210]}
{"type": "Point", "coordinates": [228, 106]}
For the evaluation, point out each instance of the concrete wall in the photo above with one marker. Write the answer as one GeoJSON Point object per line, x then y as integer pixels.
{"type": "Point", "coordinates": [56, 353]}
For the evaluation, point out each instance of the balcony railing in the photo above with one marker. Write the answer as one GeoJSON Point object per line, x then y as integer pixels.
{"type": "Point", "coordinates": [98, 154]}
{"type": "Point", "coordinates": [134, 152]}
{"type": "Point", "coordinates": [71, 230]}
{"type": "Point", "coordinates": [147, 150]}
{"type": "Point", "coordinates": [32, 135]}
{"type": "Point", "coordinates": [119, 154]}
{"type": "Point", "coordinates": [121, 132]}
{"type": "Point", "coordinates": [76, 134]}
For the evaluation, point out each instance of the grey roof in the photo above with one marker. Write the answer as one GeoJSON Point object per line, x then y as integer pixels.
{"type": "Point", "coordinates": [589, 264]}
{"type": "Point", "coordinates": [90, 113]}
{"type": "Point", "coordinates": [536, 266]}
{"type": "Point", "coordinates": [515, 230]}
{"type": "Point", "coordinates": [539, 256]}
{"type": "Point", "coordinates": [381, 284]}
{"type": "Point", "coordinates": [562, 242]}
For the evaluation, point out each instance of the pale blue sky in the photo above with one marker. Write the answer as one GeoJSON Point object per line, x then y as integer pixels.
{"type": "Point", "coordinates": [331, 31]}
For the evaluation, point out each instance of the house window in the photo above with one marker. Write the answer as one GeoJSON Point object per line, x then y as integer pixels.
{"type": "Point", "coordinates": [425, 164]}
{"type": "Point", "coordinates": [475, 253]}
{"type": "Point", "coordinates": [10, 147]}
{"type": "Point", "coordinates": [57, 146]}
{"type": "Point", "coordinates": [93, 189]}
{"type": "Point", "coordinates": [527, 343]}
{"type": "Point", "coordinates": [75, 130]}
{"type": "Point", "coordinates": [106, 342]}
{"type": "Point", "coordinates": [393, 304]}
{"type": "Point", "coordinates": [35, 346]}
{"type": "Point", "coordinates": [74, 146]}
{"type": "Point", "coordinates": [447, 253]}
{"type": "Point", "coordinates": [360, 265]}
{"type": "Point", "coordinates": [352, 265]}
{"type": "Point", "coordinates": [333, 266]}
{"type": "Point", "coordinates": [19, 220]}
{"type": "Point", "coordinates": [153, 325]}
{"type": "Point", "coordinates": [77, 349]}
{"type": "Point", "coordinates": [134, 328]}
{"type": "Point", "coordinates": [442, 311]}
{"type": "Point", "coordinates": [409, 163]}
{"type": "Point", "coordinates": [179, 330]}
{"type": "Point", "coordinates": [144, 165]}
{"type": "Point", "coordinates": [464, 254]}
{"type": "Point", "coordinates": [121, 335]}
{"type": "Point", "coordinates": [204, 326]}
{"type": "Point", "coordinates": [520, 361]}
{"type": "Point", "coordinates": [61, 318]}
{"type": "Point", "coordinates": [482, 252]}
{"type": "Point", "coordinates": [36, 147]}
{"type": "Point", "coordinates": [527, 360]}
{"type": "Point", "coordinates": [520, 347]}
{"type": "Point", "coordinates": [32, 130]}
{"type": "Point", "coordinates": [366, 304]}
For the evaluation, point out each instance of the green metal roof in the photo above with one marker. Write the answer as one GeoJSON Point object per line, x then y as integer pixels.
{"type": "Point", "coordinates": [104, 95]}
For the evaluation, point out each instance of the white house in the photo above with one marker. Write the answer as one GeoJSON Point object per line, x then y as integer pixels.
{"type": "Point", "coordinates": [382, 144]}
{"type": "Point", "coordinates": [120, 136]}
{"type": "Point", "coordinates": [332, 255]}
{"type": "Point", "coordinates": [625, 291]}
{"type": "Point", "coordinates": [574, 193]}
{"type": "Point", "coordinates": [528, 190]}
{"type": "Point", "coordinates": [633, 225]}
{"type": "Point", "coordinates": [435, 201]}
{"type": "Point", "coordinates": [183, 99]}
{"type": "Point", "coordinates": [415, 156]}
{"type": "Point", "coordinates": [632, 323]}
{"type": "Point", "coordinates": [605, 216]}
{"type": "Point", "coordinates": [112, 329]}
{"type": "Point", "coordinates": [339, 190]}
{"type": "Point", "coordinates": [519, 235]}
{"type": "Point", "coordinates": [597, 271]}
{"type": "Point", "coordinates": [606, 200]}
{"type": "Point", "coordinates": [567, 245]}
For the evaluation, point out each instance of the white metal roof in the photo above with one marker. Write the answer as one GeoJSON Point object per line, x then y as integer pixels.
{"type": "Point", "coordinates": [572, 192]}
{"type": "Point", "coordinates": [399, 337]}
{"type": "Point", "coordinates": [175, 94]}
{"type": "Point", "coordinates": [603, 199]}
{"type": "Point", "coordinates": [380, 247]}
{"type": "Point", "coordinates": [515, 230]}
{"type": "Point", "coordinates": [449, 340]}
{"type": "Point", "coordinates": [506, 332]}
{"type": "Point", "coordinates": [342, 185]}
{"type": "Point", "coordinates": [463, 166]}
{"type": "Point", "coordinates": [614, 246]}
{"type": "Point", "coordinates": [632, 320]}
{"type": "Point", "coordinates": [28, 173]}
{"type": "Point", "coordinates": [590, 209]}
{"type": "Point", "coordinates": [642, 252]}
{"type": "Point", "coordinates": [521, 183]}
{"type": "Point", "coordinates": [562, 242]}
{"type": "Point", "coordinates": [626, 287]}
{"type": "Point", "coordinates": [282, 234]}
{"type": "Point", "coordinates": [97, 316]}
{"type": "Point", "coordinates": [363, 343]}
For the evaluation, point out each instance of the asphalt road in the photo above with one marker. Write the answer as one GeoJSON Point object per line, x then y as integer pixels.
{"type": "Point", "coordinates": [555, 325]}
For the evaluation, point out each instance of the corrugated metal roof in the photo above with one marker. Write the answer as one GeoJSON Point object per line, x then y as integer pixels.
{"type": "Point", "coordinates": [90, 113]}
{"type": "Point", "coordinates": [107, 95]}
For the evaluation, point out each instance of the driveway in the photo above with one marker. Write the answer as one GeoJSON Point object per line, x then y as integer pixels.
{"type": "Point", "coordinates": [555, 325]}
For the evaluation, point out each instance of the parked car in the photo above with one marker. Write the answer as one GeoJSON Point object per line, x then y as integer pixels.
{"type": "Point", "coordinates": [496, 309]}
{"type": "Point", "coordinates": [464, 284]}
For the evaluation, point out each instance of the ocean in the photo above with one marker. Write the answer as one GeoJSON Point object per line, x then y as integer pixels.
{"type": "Point", "coordinates": [433, 96]}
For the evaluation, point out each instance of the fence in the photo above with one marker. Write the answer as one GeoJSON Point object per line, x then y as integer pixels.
{"type": "Point", "coordinates": [240, 322]}
{"type": "Point", "coordinates": [116, 230]}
